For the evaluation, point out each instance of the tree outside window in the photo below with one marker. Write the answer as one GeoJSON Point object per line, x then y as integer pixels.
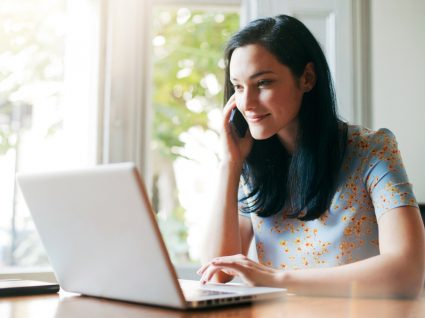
{"type": "Point", "coordinates": [188, 77]}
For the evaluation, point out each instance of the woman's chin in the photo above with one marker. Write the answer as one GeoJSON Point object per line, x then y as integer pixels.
{"type": "Point", "coordinates": [258, 134]}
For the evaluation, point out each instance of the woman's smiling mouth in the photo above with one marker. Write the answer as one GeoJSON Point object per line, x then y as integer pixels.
{"type": "Point", "coordinates": [255, 118]}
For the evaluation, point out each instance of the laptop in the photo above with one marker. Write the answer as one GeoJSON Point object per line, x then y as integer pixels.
{"type": "Point", "coordinates": [102, 239]}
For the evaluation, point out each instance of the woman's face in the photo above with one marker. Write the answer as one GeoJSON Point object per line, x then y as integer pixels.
{"type": "Point", "coordinates": [266, 92]}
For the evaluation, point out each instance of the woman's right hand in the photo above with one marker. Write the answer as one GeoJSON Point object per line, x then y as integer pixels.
{"type": "Point", "coordinates": [235, 149]}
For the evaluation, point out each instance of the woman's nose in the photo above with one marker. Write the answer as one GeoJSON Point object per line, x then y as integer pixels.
{"type": "Point", "coordinates": [247, 99]}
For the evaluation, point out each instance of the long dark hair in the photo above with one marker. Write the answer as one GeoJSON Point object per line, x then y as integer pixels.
{"type": "Point", "coordinates": [305, 181]}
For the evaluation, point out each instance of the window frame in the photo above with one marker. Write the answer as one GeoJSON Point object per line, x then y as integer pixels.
{"type": "Point", "coordinates": [123, 105]}
{"type": "Point", "coordinates": [125, 114]}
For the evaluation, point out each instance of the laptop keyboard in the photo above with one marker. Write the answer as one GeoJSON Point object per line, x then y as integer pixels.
{"type": "Point", "coordinates": [197, 293]}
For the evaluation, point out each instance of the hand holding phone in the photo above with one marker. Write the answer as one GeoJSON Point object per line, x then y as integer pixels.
{"type": "Point", "coordinates": [238, 122]}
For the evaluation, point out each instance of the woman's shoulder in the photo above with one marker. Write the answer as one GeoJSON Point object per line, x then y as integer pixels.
{"type": "Point", "coordinates": [365, 139]}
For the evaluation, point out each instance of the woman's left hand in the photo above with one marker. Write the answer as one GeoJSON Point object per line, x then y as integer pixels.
{"type": "Point", "coordinates": [251, 273]}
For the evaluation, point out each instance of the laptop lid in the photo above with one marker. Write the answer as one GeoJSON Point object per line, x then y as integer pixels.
{"type": "Point", "coordinates": [98, 240]}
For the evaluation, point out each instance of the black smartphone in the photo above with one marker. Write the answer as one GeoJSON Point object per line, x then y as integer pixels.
{"type": "Point", "coordinates": [238, 122]}
{"type": "Point", "coordinates": [19, 287]}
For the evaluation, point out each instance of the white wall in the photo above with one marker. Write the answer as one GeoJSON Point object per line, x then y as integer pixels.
{"type": "Point", "coordinates": [398, 80]}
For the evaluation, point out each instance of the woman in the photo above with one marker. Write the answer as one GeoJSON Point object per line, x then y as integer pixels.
{"type": "Point", "coordinates": [329, 203]}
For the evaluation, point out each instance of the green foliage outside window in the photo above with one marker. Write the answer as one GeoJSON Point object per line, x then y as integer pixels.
{"type": "Point", "coordinates": [188, 77]}
{"type": "Point", "coordinates": [188, 54]}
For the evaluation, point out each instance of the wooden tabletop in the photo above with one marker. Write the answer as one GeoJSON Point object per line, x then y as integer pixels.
{"type": "Point", "coordinates": [65, 305]}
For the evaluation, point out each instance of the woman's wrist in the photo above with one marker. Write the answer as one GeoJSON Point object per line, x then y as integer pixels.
{"type": "Point", "coordinates": [281, 278]}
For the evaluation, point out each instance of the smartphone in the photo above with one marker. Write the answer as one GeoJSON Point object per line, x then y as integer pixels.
{"type": "Point", "coordinates": [19, 287]}
{"type": "Point", "coordinates": [238, 122]}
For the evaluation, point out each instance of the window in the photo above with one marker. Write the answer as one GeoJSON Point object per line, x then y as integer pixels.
{"type": "Point", "coordinates": [187, 98]}
{"type": "Point", "coordinates": [76, 90]}
{"type": "Point", "coordinates": [48, 89]}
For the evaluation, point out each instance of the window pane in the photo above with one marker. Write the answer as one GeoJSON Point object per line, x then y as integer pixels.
{"type": "Point", "coordinates": [188, 78]}
{"type": "Point", "coordinates": [47, 108]}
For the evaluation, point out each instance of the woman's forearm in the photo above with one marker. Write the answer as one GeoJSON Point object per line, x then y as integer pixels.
{"type": "Point", "coordinates": [379, 276]}
{"type": "Point", "coordinates": [222, 235]}
{"type": "Point", "coordinates": [397, 272]}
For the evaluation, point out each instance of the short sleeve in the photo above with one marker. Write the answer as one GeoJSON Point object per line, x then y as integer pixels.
{"type": "Point", "coordinates": [386, 178]}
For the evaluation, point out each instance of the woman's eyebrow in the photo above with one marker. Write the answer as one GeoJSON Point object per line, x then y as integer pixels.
{"type": "Point", "coordinates": [257, 74]}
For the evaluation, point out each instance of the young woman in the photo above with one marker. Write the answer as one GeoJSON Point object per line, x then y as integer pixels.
{"type": "Point", "coordinates": [329, 203]}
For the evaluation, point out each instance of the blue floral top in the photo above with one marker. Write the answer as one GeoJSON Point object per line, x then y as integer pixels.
{"type": "Point", "coordinates": [372, 181]}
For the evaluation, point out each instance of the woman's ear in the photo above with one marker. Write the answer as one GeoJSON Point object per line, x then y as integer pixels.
{"type": "Point", "coordinates": [308, 79]}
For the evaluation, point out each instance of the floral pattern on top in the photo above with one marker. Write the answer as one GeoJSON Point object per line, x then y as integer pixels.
{"type": "Point", "coordinates": [371, 182]}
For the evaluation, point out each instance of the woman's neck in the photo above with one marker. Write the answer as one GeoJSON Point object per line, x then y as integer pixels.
{"type": "Point", "coordinates": [288, 136]}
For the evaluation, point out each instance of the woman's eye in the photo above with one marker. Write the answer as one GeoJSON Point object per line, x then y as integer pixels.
{"type": "Point", "coordinates": [264, 83]}
{"type": "Point", "coordinates": [238, 88]}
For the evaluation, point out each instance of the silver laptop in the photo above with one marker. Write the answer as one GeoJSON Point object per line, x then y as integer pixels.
{"type": "Point", "coordinates": [102, 239]}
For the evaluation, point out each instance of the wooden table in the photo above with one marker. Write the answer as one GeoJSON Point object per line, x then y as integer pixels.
{"type": "Point", "coordinates": [65, 305]}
